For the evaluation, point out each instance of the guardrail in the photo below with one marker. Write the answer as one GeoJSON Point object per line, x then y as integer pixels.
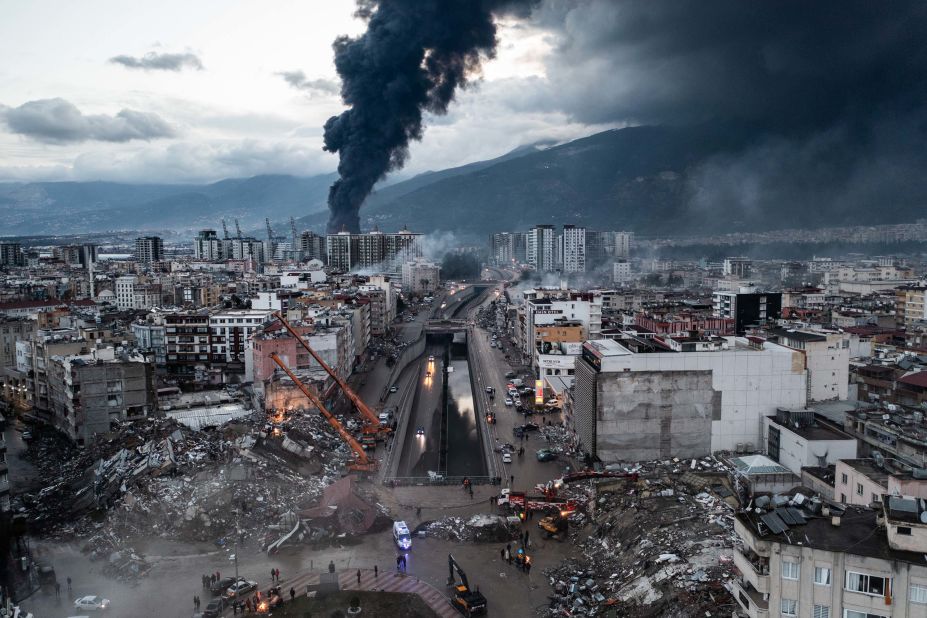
{"type": "Point", "coordinates": [400, 481]}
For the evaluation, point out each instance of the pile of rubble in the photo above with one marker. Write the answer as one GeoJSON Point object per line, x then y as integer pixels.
{"type": "Point", "coordinates": [658, 546]}
{"type": "Point", "coordinates": [242, 482]}
{"type": "Point", "coordinates": [478, 528]}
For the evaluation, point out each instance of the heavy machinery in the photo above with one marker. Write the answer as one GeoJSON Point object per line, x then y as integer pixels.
{"type": "Point", "coordinates": [467, 602]}
{"type": "Point", "coordinates": [555, 525]}
{"type": "Point", "coordinates": [372, 425]}
{"type": "Point", "coordinates": [363, 463]}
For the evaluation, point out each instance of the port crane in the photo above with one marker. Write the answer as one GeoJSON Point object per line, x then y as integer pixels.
{"type": "Point", "coordinates": [363, 463]}
{"type": "Point", "coordinates": [372, 426]}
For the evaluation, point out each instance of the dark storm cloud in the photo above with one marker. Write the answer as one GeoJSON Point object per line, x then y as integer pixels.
{"type": "Point", "coordinates": [298, 80]}
{"type": "Point", "coordinates": [412, 59]}
{"type": "Point", "coordinates": [153, 61]}
{"type": "Point", "coordinates": [825, 99]}
{"type": "Point", "coordinates": [60, 121]}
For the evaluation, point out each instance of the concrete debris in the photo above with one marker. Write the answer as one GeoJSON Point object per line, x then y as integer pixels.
{"type": "Point", "coordinates": [159, 476]}
{"type": "Point", "coordinates": [659, 546]}
{"type": "Point", "coordinates": [478, 528]}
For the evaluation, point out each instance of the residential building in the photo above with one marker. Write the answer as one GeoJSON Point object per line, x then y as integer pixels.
{"type": "Point", "coordinates": [150, 336]}
{"type": "Point", "coordinates": [207, 246]}
{"type": "Point", "coordinates": [420, 277]}
{"type": "Point", "coordinates": [187, 342]}
{"type": "Point", "coordinates": [687, 397]}
{"type": "Point", "coordinates": [133, 293]}
{"type": "Point", "coordinates": [747, 308]}
{"type": "Point", "coordinates": [621, 272]}
{"type": "Point", "coordinates": [737, 267]}
{"type": "Point", "coordinates": [230, 332]}
{"type": "Point", "coordinates": [312, 247]}
{"type": "Point", "coordinates": [827, 360]}
{"type": "Point", "coordinates": [11, 254]}
{"type": "Point", "coordinates": [831, 562]}
{"type": "Point", "coordinates": [374, 250]}
{"type": "Point", "coordinates": [76, 255]}
{"type": "Point", "coordinates": [911, 305]}
{"type": "Point", "coordinates": [606, 247]}
{"type": "Point", "coordinates": [800, 438]}
{"type": "Point", "coordinates": [542, 248]}
{"type": "Point", "coordinates": [149, 249]}
{"type": "Point", "coordinates": [574, 249]}
{"type": "Point", "coordinates": [88, 392]}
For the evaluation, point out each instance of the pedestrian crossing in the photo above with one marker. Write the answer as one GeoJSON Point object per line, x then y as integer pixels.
{"type": "Point", "coordinates": [386, 581]}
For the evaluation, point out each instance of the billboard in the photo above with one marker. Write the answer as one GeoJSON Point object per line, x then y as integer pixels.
{"type": "Point", "coordinates": [539, 392]}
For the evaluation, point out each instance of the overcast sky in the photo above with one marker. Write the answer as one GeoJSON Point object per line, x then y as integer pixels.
{"type": "Point", "coordinates": [197, 91]}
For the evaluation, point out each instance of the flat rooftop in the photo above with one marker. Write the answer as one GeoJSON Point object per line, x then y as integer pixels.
{"type": "Point", "coordinates": [857, 534]}
{"type": "Point", "coordinates": [868, 467]}
{"type": "Point", "coordinates": [818, 431]}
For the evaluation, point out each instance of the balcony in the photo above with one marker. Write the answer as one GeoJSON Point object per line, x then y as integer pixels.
{"type": "Point", "coordinates": [754, 568]}
{"type": "Point", "coordinates": [750, 600]}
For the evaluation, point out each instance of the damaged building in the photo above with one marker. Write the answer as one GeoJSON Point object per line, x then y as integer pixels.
{"type": "Point", "coordinates": [650, 398]}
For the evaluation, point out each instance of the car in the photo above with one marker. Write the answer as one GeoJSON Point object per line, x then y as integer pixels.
{"type": "Point", "coordinates": [428, 374]}
{"type": "Point", "coordinates": [420, 431]}
{"type": "Point", "coordinates": [506, 458]}
{"type": "Point", "coordinates": [221, 586]}
{"type": "Point", "coordinates": [510, 374]}
{"type": "Point", "coordinates": [492, 344]}
{"type": "Point", "coordinates": [431, 359]}
{"type": "Point", "coordinates": [489, 389]}
{"type": "Point", "coordinates": [240, 588]}
{"type": "Point", "coordinates": [546, 455]}
{"type": "Point", "coordinates": [508, 401]}
{"type": "Point", "coordinates": [92, 603]}
{"type": "Point", "coordinates": [215, 608]}
{"type": "Point", "coordinates": [393, 388]}
{"type": "Point", "coordinates": [27, 435]}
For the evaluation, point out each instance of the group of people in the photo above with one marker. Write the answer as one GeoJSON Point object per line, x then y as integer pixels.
{"type": "Point", "coordinates": [211, 579]}
{"type": "Point", "coordinates": [401, 563]}
{"type": "Point", "coordinates": [275, 575]}
{"type": "Point", "coordinates": [519, 556]}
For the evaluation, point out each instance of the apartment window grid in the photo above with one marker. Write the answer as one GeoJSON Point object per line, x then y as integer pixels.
{"type": "Point", "coordinates": [788, 607]}
{"type": "Point", "coordinates": [859, 489]}
{"type": "Point", "coordinates": [918, 594]}
{"type": "Point", "coordinates": [822, 576]}
{"type": "Point", "coordinates": [821, 611]}
{"type": "Point", "coordinates": [874, 585]}
{"type": "Point", "coordinates": [789, 570]}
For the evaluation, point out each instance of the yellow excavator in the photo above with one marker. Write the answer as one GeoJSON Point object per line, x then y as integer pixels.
{"type": "Point", "coordinates": [467, 602]}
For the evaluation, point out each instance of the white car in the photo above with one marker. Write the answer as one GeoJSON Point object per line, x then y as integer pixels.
{"type": "Point", "coordinates": [506, 458]}
{"type": "Point", "coordinates": [508, 401]}
{"type": "Point", "coordinates": [239, 588]}
{"type": "Point", "coordinates": [92, 603]}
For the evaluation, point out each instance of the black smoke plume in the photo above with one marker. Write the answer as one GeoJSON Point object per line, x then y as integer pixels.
{"type": "Point", "coordinates": [413, 57]}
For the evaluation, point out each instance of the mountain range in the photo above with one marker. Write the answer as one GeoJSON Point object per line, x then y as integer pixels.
{"type": "Point", "coordinates": [643, 179]}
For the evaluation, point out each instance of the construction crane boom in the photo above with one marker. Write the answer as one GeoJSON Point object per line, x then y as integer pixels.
{"type": "Point", "coordinates": [294, 232]}
{"type": "Point", "coordinates": [362, 407]}
{"type": "Point", "coordinates": [270, 232]}
{"type": "Point", "coordinates": [363, 462]}
{"type": "Point", "coordinates": [225, 230]}
{"type": "Point", "coordinates": [237, 229]}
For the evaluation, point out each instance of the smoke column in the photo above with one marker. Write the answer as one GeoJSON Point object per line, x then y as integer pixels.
{"type": "Point", "coordinates": [413, 57]}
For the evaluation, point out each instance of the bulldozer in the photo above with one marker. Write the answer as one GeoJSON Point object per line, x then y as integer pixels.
{"type": "Point", "coordinates": [467, 602]}
{"type": "Point", "coordinates": [555, 525]}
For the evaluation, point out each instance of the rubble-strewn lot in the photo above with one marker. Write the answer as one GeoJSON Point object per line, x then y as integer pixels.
{"type": "Point", "coordinates": [246, 481]}
{"type": "Point", "coordinates": [657, 547]}
{"type": "Point", "coordinates": [478, 528]}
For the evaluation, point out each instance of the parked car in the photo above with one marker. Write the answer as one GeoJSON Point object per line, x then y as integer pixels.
{"type": "Point", "coordinates": [546, 455]}
{"type": "Point", "coordinates": [393, 388]}
{"type": "Point", "coordinates": [240, 588]}
{"type": "Point", "coordinates": [215, 608]}
{"type": "Point", "coordinates": [510, 374]}
{"type": "Point", "coordinates": [221, 586]}
{"type": "Point", "coordinates": [506, 458]}
{"type": "Point", "coordinates": [91, 603]}
{"type": "Point", "coordinates": [508, 401]}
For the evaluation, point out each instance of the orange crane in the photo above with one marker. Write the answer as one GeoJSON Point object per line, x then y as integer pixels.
{"type": "Point", "coordinates": [373, 421]}
{"type": "Point", "coordinates": [363, 463]}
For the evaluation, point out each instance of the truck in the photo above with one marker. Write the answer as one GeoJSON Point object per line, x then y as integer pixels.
{"type": "Point", "coordinates": [520, 501]}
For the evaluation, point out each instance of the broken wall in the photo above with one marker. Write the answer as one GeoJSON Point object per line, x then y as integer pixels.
{"type": "Point", "coordinates": [655, 414]}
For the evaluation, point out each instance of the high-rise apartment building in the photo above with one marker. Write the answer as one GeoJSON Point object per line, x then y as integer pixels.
{"type": "Point", "coordinates": [542, 248]}
{"type": "Point", "coordinates": [149, 249]}
{"type": "Point", "coordinates": [11, 254]}
{"type": "Point", "coordinates": [351, 252]}
{"type": "Point", "coordinates": [209, 247]}
{"type": "Point", "coordinates": [747, 309]}
{"type": "Point", "coordinates": [312, 247]}
{"type": "Point", "coordinates": [574, 249]}
{"type": "Point", "coordinates": [606, 247]}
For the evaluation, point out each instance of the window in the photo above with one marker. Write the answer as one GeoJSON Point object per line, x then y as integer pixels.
{"type": "Point", "coordinates": [843, 478]}
{"type": "Point", "coordinates": [868, 584]}
{"type": "Point", "coordinates": [789, 607]}
{"type": "Point", "coordinates": [822, 576]}
{"type": "Point", "coordinates": [821, 611]}
{"type": "Point", "coordinates": [875, 498]}
{"type": "Point", "coordinates": [918, 594]}
{"type": "Point", "coordinates": [859, 489]}
{"type": "Point", "coordinates": [843, 498]}
{"type": "Point", "coordinates": [789, 570]}
{"type": "Point", "coordinates": [905, 530]}
{"type": "Point", "coordinates": [852, 613]}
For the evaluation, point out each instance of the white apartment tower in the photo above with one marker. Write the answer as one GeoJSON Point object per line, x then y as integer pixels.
{"type": "Point", "coordinates": [542, 248]}
{"type": "Point", "coordinates": [574, 249]}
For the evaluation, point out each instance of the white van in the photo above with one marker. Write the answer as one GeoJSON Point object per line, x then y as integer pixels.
{"type": "Point", "coordinates": [401, 535]}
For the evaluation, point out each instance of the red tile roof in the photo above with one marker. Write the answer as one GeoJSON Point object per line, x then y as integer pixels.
{"type": "Point", "coordinates": [915, 379]}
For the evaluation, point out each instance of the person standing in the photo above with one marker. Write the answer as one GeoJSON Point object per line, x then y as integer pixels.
{"type": "Point", "coordinates": [358, 577]}
{"type": "Point", "coordinates": [375, 571]}
{"type": "Point", "coordinates": [292, 594]}
{"type": "Point", "coordinates": [273, 573]}
{"type": "Point", "coordinates": [69, 583]}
